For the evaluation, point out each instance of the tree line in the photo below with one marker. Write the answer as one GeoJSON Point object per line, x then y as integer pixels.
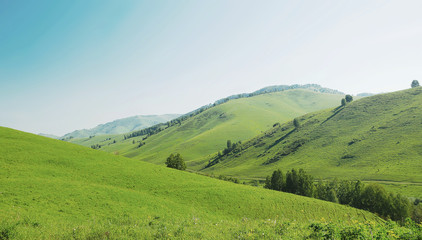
{"type": "Point", "coordinates": [371, 197]}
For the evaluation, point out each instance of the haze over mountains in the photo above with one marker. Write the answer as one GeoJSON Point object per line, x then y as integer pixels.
{"type": "Point", "coordinates": [134, 123]}
{"type": "Point", "coordinates": [123, 125]}
{"type": "Point", "coordinates": [237, 117]}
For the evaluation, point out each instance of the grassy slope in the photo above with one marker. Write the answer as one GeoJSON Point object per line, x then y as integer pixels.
{"type": "Point", "coordinates": [375, 138]}
{"type": "Point", "coordinates": [54, 189]}
{"type": "Point", "coordinates": [208, 132]}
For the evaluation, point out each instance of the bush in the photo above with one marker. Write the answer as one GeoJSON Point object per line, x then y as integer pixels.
{"type": "Point", "coordinates": [176, 161]}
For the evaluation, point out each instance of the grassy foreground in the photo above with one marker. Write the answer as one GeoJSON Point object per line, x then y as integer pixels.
{"type": "Point", "coordinates": [53, 189]}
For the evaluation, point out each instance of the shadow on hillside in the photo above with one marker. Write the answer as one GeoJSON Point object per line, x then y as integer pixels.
{"type": "Point", "coordinates": [336, 111]}
{"type": "Point", "coordinates": [280, 139]}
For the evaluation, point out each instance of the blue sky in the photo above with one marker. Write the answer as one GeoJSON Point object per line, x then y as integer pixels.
{"type": "Point", "coordinates": [67, 65]}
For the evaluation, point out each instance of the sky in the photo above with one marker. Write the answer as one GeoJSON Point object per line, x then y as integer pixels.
{"type": "Point", "coordinates": [74, 64]}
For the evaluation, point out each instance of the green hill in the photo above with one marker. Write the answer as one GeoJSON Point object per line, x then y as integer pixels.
{"type": "Point", "coordinates": [123, 125]}
{"type": "Point", "coordinates": [207, 132]}
{"type": "Point", "coordinates": [53, 189]}
{"type": "Point", "coordinates": [376, 138]}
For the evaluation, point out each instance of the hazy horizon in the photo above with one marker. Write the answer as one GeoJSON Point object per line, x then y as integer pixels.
{"type": "Point", "coordinates": [73, 65]}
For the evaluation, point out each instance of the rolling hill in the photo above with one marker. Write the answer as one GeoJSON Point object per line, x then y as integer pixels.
{"type": "Point", "coordinates": [207, 132]}
{"type": "Point", "coordinates": [54, 189]}
{"type": "Point", "coordinates": [376, 138]}
{"type": "Point", "coordinates": [123, 125]}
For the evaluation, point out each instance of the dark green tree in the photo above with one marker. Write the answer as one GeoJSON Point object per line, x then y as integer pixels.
{"type": "Point", "coordinates": [305, 184]}
{"type": "Point", "coordinates": [176, 161]}
{"type": "Point", "coordinates": [319, 190]}
{"type": "Point", "coordinates": [345, 192]}
{"type": "Point", "coordinates": [291, 181]}
{"type": "Point", "coordinates": [400, 207]}
{"type": "Point", "coordinates": [374, 198]}
{"type": "Point", "coordinates": [331, 195]}
{"type": "Point", "coordinates": [343, 102]}
{"type": "Point", "coordinates": [296, 123]}
{"type": "Point", "coordinates": [229, 145]}
{"type": "Point", "coordinates": [277, 180]}
{"type": "Point", "coordinates": [267, 182]}
{"type": "Point", "coordinates": [415, 83]}
{"type": "Point", "coordinates": [358, 187]}
{"type": "Point", "coordinates": [349, 98]}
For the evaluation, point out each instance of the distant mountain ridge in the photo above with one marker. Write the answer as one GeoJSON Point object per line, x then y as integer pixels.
{"type": "Point", "coordinates": [123, 125]}
{"type": "Point", "coordinates": [280, 88]}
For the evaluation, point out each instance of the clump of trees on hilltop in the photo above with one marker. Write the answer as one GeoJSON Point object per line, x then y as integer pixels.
{"type": "Point", "coordinates": [371, 197]}
{"type": "Point", "coordinates": [346, 99]}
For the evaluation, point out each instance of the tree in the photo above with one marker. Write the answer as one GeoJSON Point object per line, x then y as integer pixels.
{"type": "Point", "coordinates": [296, 123]}
{"type": "Point", "coordinates": [349, 98]}
{"type": "Point", "coordinates": [277, 180]}
{"type": "Point", "coordinates": [267, 182]}
{"type": "Point", "coordinates": [343, 102]}
{"type": "Point", "coordinates": [415, 83]}
{"type": "Point", "coordinates": [176, 161]}
{"type": "Point", "coordinates": [374, 198]}
{"type": "Point", "coordinates": [291, 181]}
{"type": "Point", "coordinates": [305, 184]}
{"type": "Point", "coordinates": [229, 145]}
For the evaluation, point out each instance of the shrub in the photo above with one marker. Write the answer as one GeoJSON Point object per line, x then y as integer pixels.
{"type": "Point", "coordinates": [176, 161]}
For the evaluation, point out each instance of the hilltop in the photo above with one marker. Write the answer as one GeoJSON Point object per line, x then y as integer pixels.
{"type": "Point", "coordinates": [374, 139]}
{"type": "Point", "coordinates": [54, 189]}
{"type": "Point", "coordinates": [119, 126]}
{"type": "Point", "coordinates": [196, 137]}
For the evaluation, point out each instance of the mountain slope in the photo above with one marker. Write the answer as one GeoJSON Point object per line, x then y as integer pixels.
{"type": "Point", "coordinates": [123, 125]}
{"type": "Point", "coordinates": [53, 189]}
{"type": "Point", "coordinates": [377, 138]}
{"type": "Point", "coordinates": [207, 132]}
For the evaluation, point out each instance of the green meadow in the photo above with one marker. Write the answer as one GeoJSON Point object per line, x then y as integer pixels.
{"type": "Point", "coordinates": [54, 189]}
{"type": "Point", "coordinates": [374, 139]}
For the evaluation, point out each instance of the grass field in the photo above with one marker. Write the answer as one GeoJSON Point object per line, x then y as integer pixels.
{"type": "Point", "coordinates": [204, 134]}
{"type": "Point", "coordinates": [54, 189]}
{"type": "Point", "coordinates": [377, 138]}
